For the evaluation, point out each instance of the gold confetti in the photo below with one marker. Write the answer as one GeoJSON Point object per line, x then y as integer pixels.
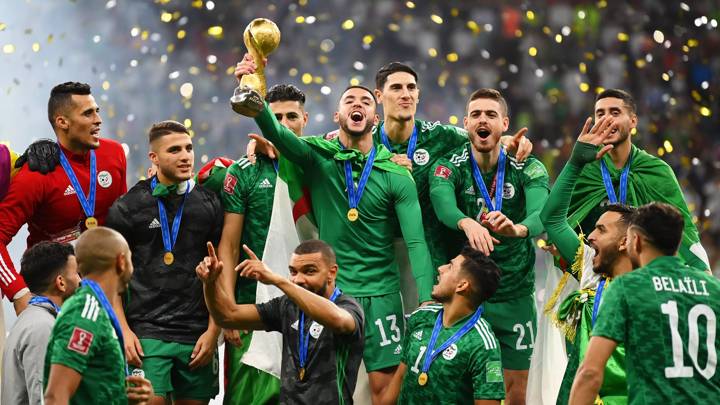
{"type": "Point", "coordinates": [530, 15]}
{"type": "Point", "coordinates": [599, 90]}
{"type": "Point", "coordinates": [432, 52]}
{"type": "Point", "coordinates": [348, 24]}
{"type": "Point", "coordinates": [583, 67]}
{"type": "Point", "coordinates": [187, 122]}
{"type": "Point", "coordinates": [393, 27]}
{"type": "Point", "coordinates": [436, 19]}
{"type": "Point", "coordinates": [584, 87]}
{"type": "Point", "coordinates": [661, 151]}
{"type": "Point", "coordinates": [452, 57]}
{"type": "Point", "coordinates": [8, 48]}
{"type": "Point", "coordinates": [442, 79]}
{"type": "Point", "coordinates": [145, 34]}
{"type": "Point", "coordinates": [473, 26]}
{"type": "Point", "coordinates": [668, 146]}
{"type": "Point", "coordinates": [705, 112]}
{"type": "Point", "coordinates": [318, 80]}
{"type": "Point", "coordinates": [558, 38]}
{"type": "Point", "coordinates": [518, 33]}
{"type": "Point", "coordinates": [532, 51]}
{"type": "Point", "coordinates": [302, 2]}
{"type": "Point", "coordinates": [692, 43]}
{"type": "Point", "coordinates": [50, 39]}
{"type": "Point", "coordinates": [354, 81]}
{"type": "Point", "coordinates": [197, 3]}
{"type": "Point", "coordinates": [409, 4]}
{"type": "Point", "coordinates": [307, 78]}
{"type": "Point", "coordinates": [215, 31]}
{"type": "Point", "coordinates": [181, 34]}
{"type": "Point", "coordinates": [3, 26]}
{"type": "Point", "coordinates": [36, 46]}
{"type": "Point", "coordinates": [666, 77]}
{"type": "Point", "coordinates": [454, 12]}
{"type": "Point", "coordinates": [166, 17]}
{"type": "Point", "coordinates": [106, 85]}
{"type": "Point", "coordinates": [300, 19]}
{"type": "Point", "coordinates": [640, 63]}
{"type": "Point", "coordinates": [453, 119]}
{"type": "Point", "coordinates": [696, 95]}
{"type": "Point", "coordinates": [367, 39]}
{"type": "Point", "coordinates": [293, 72]}
{"type": "Point", "coordinates": [547, 30]}
{"type": "Point", "coordinates": [623, 37]}
{"type": "Point", "coordinates": [186, 90]}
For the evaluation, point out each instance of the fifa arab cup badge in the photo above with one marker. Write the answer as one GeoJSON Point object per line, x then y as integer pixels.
{"type": "Point", "coordinates": [261, 37]}
{"type": "Point", "coordinates": [91, 222]}
{"type": "Point", "coordinates": [168, 258]}
{"type": "Point", "coordinates": [353, 214]}
{"type": "Point", "coordinates": [302, 373]}
{"type": "Point", "coordinates": [422, 379]}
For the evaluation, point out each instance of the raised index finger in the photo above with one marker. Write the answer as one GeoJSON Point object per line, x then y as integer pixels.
{"type": "Point", "coordinates": [250, 253]}
{"type": "Point", "coordinates": [519, 135]}
{"type": "Point", "coordinates": [211, 250]}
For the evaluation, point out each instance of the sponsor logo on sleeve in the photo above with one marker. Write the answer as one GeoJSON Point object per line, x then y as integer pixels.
{"type": "Point", "coordinates": [80, 341]}
{"type": "Point", "coordinates": [493, 372]}
{"type": "Point", "coordinates": [229, 184]}
{"type": "Point", "coordinates": [442, 171]}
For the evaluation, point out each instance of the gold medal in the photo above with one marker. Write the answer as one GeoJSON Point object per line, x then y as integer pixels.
{"type": "Point", "coordinates": [168, 258]}
{"type": "Point", "coordinates": [302, 373]}
{"type": "Point", "coordinates": [91, 222]}
{"type": "Point", "coordinates": [353, 214]}
{"type": "Point", "coordinates": [422, 379]}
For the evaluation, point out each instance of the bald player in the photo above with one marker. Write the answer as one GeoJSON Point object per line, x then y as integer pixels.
{"type": "Point", "coordinates": [86, 340]}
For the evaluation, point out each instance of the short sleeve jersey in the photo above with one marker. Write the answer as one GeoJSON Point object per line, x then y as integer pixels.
{"type": "Point", "coordinates": [666, 314]}
{"type": "Point", "coordinates": [434, 140]}
{"type": "Point", "coordinates": [515, 256]}
{"type": "Point", "coordinates": [83, 339]}
{"type": "Point", "coordinates": [468, 369]}
{"type": "Point", "coordinates": [249, 190]}
{"type": "Point", "coordinates": [333, 360]}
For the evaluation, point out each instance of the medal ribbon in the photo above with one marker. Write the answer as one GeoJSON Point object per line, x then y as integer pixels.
{"type": "Point", "coordinates": [432, 353]}
{"type": "Point", "coordinates": [354, 196]}
{"type": "Point", "coordinates": [111, 314]}
{"type": "Point", "coordinates": [41, 299]}
{"type": "Point", "coordinates": [87, 204]}
{"type": "Point", "coordinates": [612, 197]}
{"type": "Point", "coordinates": [498, 181]}
{"type": "Point", "coordinates": [598, 296]}
{"type": "Point", "coordinates": [169, 240]}
{"type": "Point", "coordinates": [412, 143]}
{"type": "Point", "coordinates": [304, 338]}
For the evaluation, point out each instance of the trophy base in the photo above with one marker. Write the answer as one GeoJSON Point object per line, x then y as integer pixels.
{"type": "Point", "coordinates": [247, 102]}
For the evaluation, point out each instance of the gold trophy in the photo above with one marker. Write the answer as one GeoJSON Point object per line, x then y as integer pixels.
{"type": "Point", "coordinates": [261, 37]}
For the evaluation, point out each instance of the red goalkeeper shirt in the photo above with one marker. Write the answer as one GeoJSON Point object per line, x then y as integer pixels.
{"type": "Point", "coordinates": [49, 204]}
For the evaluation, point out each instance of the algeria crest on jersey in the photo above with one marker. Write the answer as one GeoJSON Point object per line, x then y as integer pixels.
{"type": "Point", "coordinates": [508, 191]}
{"type": "Point", "coordinates": [104, 179]}
{"type": "Point", "coordinates": [450, 352]}
{"type": "Point", "coordinates": [315, 330]}
{"type": "Point", "coordinates": [421, 157]}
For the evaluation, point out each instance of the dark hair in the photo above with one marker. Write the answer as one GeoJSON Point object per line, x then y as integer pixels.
{"type": "Point", "coordinates": [285, 92]}
{"type": "Point", "coordinates": [61, 96]}
{"type": "Point", "coordinates": [392, 67]}
{"type": "Point", "coordinates": [661, 224]}
{"type": "Point", "coordinates": [622, 95]}
{"type": "Point", "coordinates": [626, 212]}
{"type": "Point", "coordinates": [357, 86]}
{"type": "Point", "coordinates": [317, 246]}
{"type": "Point", "coordinates": [162, 128]}
{"type": "Point", "coordinates": [42, 263]}
{"type": "Point", "coordinates": [483, 271]}
{"type": "Point", "coordinates": [491, 94]}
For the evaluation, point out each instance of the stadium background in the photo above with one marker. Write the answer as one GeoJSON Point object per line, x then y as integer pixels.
{"type": "Point", "coordinates": [153, 60]}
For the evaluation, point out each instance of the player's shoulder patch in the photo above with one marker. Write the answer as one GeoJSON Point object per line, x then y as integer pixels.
{"type": "Point", "coordinates": [91, 310]}
{"type": "Point", "coordinates": [229, 184]}
{"type": "Point", "coordinates": [493, 371]}
{"type": "Point", "coordinates": [442, 171]}
{"type": "Point", "coordinates": [488, 338]}
{"type": "Point", "coordinates": [534, 169]}
{"type": "Point", "coordinates": [80, 341]}
{"type": "Point", "coordinates": [458, 159]}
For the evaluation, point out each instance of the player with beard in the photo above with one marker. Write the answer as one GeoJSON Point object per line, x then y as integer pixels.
{"type": "Point", "coordinates": [469, 369]}
{"type": "Point", "coordinates": [360, 201]}
{"type": "Point", "coordinates": [595, 264]}
{"type": "Point", "coordinates": [628, 175]}
{"type": "Point", "coordinates": [423, 142]}
{"type": "Point", "coordinates": [61, 204]}
{"type": "Point", "coordinates": [85, 362]}
{"type": "Point", "coordinates": [494, 202]}
{"type": "Point", "coordinates": [664, 313]}
{"type": "Point", "coordinates": [167, 220]}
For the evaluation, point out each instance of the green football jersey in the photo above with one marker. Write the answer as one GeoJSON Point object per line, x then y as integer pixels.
{"type": "Point", "coordinates": [468, 369]}
{"type": "Point", "coordinates": [666, 314]}
{"type": "Point", "coordinates": [452, 176]}
{"type": "Point", "coordinates": [84, 339]}
{"type": "Point", "coordinates": [388, 207]}
{"type": "Point", "coordinates": [249, 190]}
{"type": "Point", "coordinates": [434, 141]}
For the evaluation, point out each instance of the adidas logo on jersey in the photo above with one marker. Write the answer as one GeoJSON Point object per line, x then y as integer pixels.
{"type": "Point", "coordinates": [265, 183]}
{"type": "Point", "coordinates": [91, 308]}
{"type": "Point", "coordinates": [398, 349]}
{"type": "Point", "coordinates": [470, 190]}
{"type": "Point", "coordinates": [418, 335]}
{"type": "Point", "coordinates": [154, 224]}
{"type": "Point", "coordinates": [69, 190]}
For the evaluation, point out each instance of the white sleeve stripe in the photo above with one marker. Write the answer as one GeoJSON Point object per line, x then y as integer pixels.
{"type": "Point", "coordinates": [493, 343]}
{"type": "Point", "coordinates": [8, 275]}
{"type": "Point", "coordinates": [86, 307]}
{"type": "Point", "coordinates": [96, 309]}
{"type": "Point", "coordinates": [482, 335]}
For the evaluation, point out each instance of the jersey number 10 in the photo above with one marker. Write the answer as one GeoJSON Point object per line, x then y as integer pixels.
{"type": "Point", "coordinates": [679, 369]}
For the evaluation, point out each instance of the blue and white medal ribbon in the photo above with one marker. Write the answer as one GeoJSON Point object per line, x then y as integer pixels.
{"type": "Point", "coordinates": [354, 195]}
{"type": "Point", "coordinates": [412, 143]}
{"type": "Point", "coordinates": [498, 181]}
{"type": "Point", "coordinates": [431, 353]}
{"type": "Point", "coordinates": [41, 299]}
{"type": "Point", "coordinates": [100, 294]}
{"type": "Point", "coordinates": [168, 239]}
{"type": "Point", "coordinates": [87, 204]}
{"type": "Point", "coordinates": [612, 197]}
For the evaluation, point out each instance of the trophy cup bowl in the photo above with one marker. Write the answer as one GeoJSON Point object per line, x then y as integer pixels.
{"type": "Point", "coordinates": [261, 38]}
